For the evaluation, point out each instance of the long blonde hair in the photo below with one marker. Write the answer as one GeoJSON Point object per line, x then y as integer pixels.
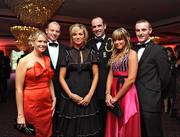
{"type": "Point", "coordinates": [117, 55]}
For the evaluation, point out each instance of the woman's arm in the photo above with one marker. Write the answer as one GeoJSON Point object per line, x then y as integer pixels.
{"type": "Point", "coordinates": [76, 98]}
{"type": "Point", "coordinates": [108, 88]}
{"type": "Point", "coordinates": [109, 81]}
{"type": "Point", "coordinates": [88, 97]}
{"type": "Point", "coordinates": [132, 72]}
{"type": "Point", "coordinates": [20, 77]}
{"type": "Point", "coordinates": [51, 87]}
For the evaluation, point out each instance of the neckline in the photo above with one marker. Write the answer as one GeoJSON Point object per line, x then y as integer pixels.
{"type": "Point", "coordinates": [42, 65]}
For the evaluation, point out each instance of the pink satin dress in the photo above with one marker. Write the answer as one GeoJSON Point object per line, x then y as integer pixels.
{"type": "Point", "coordinates": [128, 125]}
{"type": "Point", "coordinates": [37, 99]}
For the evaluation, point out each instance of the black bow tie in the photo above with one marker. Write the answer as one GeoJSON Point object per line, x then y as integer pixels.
{"type": "Point", "coordinates": [99, 40]}
{"type": "Point", "coordinates": [53, 44]}
{"type": "Point", "coordinates": [143, 45]}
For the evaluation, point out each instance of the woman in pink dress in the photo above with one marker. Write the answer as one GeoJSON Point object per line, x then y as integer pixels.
{"type": "Point", "coordinates": [120, 88]}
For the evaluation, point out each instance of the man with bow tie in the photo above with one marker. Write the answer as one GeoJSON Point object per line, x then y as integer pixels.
{"type": "Point", "coordinates": [152, 78]}
{"type": "Point", "coordinates": [103, 47]}
{"type": "Point", "coordinates": [55, 51]}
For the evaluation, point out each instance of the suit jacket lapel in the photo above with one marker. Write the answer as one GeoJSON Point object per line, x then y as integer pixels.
{"type": "Point", "coordinates": [94, 46]}
{"type": "Point", "coordinates": [146, 52]}
{"type": "Point", "coordinates": [47, 54]}
{"type": "Point", "coordinates": [59, 57]}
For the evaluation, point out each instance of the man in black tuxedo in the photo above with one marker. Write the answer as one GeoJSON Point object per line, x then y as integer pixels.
{"type": "Point", "coordinates": [152, 78]}
{"type": "Point", "coordinates": [55, 51]}
{"type": "Point", "coordinates": [103, 47]}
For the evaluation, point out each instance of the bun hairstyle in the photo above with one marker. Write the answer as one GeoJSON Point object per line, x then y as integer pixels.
{"type": "Point", "coordinates": [34, 35]}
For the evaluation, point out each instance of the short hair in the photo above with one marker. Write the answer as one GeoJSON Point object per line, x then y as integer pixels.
{"type": "Point", "coordinates": [169, 49]}
{"type": "Point", "coordinates": [99, 18]}
{"type": "Point", "coordinates": [34, 35]}
{"type": "Point", "coordinates": [144, 20]}
{"type": "Point", "coordinates": [53, 22]}
{"type": "Point", "coordinates": [75, 27]}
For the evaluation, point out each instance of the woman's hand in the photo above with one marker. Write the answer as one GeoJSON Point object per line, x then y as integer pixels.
{"type": "Point", "coordinates": [76, 98]}
{"type": "Point", "coordinates": [109, 100]}
{"type": "Point", "coordinates": [85, 101]}
{"type": "Point", "coordinates": [21, 121]}
{"type": "Point", "coordinates": [53, 105]}
{"type": "Point", "coordinates": [114, 99]}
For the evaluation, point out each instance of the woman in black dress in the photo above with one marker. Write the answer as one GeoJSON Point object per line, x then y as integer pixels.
{"type": "Point", "coordinates": [170, 91]}
{"type": "Point", "coordinates": [79, 115]}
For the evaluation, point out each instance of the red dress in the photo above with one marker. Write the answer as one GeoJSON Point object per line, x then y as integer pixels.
{"type": "Point", "coordinates": [37, 99]}
{"type": "Point", "coordinates": [128, 125]}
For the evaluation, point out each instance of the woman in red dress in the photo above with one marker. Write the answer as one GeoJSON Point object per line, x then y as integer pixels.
{"type": "Point", "coordinates": [35, 96]}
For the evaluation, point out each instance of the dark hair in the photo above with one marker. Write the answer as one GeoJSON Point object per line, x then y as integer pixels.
{"type": "Point", "coordinates": [96, 17]}
{"type": "Point", "coordinates": [177, 50]}
{"type": "Point", "coordinates": [1, 54]}
{"type": "Point", "coordinates": [172, 52]}
{"type": "Point", "coordinates": [169, 49]}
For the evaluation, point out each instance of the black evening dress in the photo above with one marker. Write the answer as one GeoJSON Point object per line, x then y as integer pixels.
{"type": "Point", "coordinates": [76, 120]}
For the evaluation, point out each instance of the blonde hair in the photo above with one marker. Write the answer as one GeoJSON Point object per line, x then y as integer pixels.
{"type": "Point", "coordinates": [73, 28]}
{"type": "Point", "coordinates": [117, 55]}
{"type": "Point", "coordinates": [34, 35]}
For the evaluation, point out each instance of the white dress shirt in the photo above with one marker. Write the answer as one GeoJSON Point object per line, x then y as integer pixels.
{"type": "Point", "coordinates": [98, 44]}
{"type": "Point", "coordinates": [141, 50]}
{"type": "Point", "coordinates": [54, 52]}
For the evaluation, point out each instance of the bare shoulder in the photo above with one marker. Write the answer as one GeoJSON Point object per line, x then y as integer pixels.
{"type": "Point", "coordinates": [26, 62]}
{"type": "Point", "coordinates": [132, 53]}
{"type": "Point", "coordinates": [23, 60]}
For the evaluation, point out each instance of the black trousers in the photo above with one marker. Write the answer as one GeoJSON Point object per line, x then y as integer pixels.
{"type": "Point", "coordinates": [151, 124]}
{"type": "Point", "coordinates": [103, 113]}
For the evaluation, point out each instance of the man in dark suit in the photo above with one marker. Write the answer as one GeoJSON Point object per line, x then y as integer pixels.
{"type": "Point", "coordinates": [152, 78]}
{"type": "Point", "coordinates": [55, 51]}
{"type": "Point", "coordinates": [103, 47]}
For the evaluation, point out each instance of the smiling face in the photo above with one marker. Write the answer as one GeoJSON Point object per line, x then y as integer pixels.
{"type": "Point", "coordinates": [143, 31]}
{"type": "Point", "coordinates": [121, 39]}
{"type": "Point", "coordinates": [40, 44]}
{"type": "Point", "coordinates": [98, 27]}
{"type": "Point", "coordinates": [78, 35]}
{"type": "Point", "coordinates": [119, 44]}
{"type": "Point", "coordinates": [78, 38]}
{"type": "Point", "coordinates": [53, 31]}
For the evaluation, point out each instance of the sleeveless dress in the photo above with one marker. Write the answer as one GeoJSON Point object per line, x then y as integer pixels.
{"type": "Point", "coordinates": [37, 99]}
{"type": "Point", "coordinates": [128, 125]}
{"type": "Point", "coordinates": [76, 120]}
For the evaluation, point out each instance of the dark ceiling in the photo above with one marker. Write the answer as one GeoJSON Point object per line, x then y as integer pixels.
{"type": "Point", "coordinates": [163, 14]}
